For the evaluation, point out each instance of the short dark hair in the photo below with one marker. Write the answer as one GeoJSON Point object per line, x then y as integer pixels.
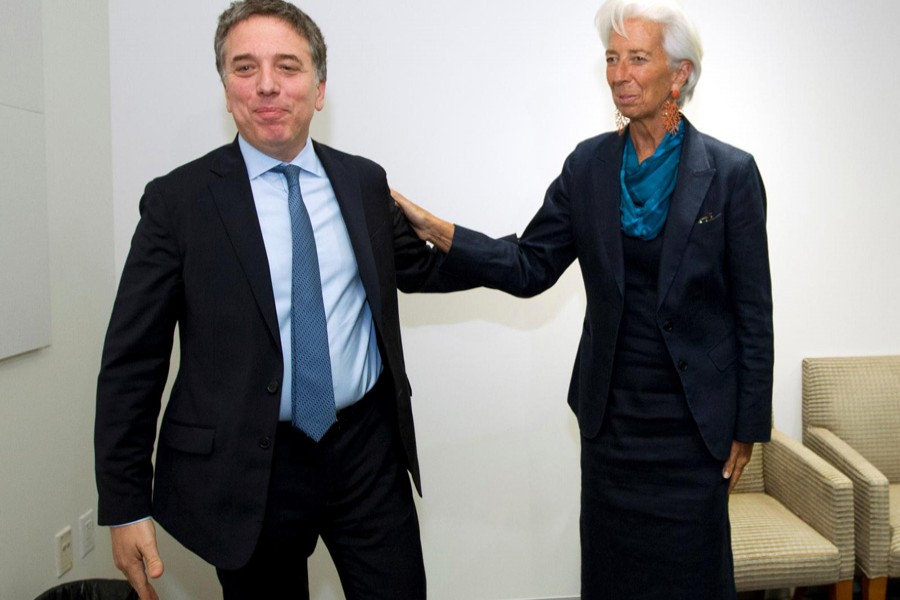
{"type": "Point", "coordinates": [287, 12]}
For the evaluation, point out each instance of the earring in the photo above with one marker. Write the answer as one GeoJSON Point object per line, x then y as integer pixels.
{"type": "Point", "coordinates": [671, 114]}
{"type": "Point", "coordinates": [621, 122]}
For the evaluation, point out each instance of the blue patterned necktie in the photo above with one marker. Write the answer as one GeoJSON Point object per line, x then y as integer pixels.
{"type": "Point", "coordinates": [312, 392]}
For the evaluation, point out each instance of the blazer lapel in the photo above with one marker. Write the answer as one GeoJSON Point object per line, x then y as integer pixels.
{"type": "Point", "coordinates": [234, 200]}
{"type": "Point", "coordinates": [345, 183]}
{"type": "Point", "coordinates": [607, 190]}
{"type": "Point", "coordinates": [694, 178]}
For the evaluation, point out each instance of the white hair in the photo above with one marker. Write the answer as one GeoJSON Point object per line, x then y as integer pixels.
{"type": "Point", "coordinates": [680, 38]}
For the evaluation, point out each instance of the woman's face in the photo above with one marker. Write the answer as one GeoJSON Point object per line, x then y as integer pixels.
{"type": "Point", "coordinates": [637, 70]}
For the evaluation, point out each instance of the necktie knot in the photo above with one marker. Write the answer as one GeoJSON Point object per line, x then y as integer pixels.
{"type": "Point", "coordinates": [290, 172]}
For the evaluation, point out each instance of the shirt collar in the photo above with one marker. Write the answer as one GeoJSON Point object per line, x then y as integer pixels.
{"type": "Point", "coordinates": [259, 163]}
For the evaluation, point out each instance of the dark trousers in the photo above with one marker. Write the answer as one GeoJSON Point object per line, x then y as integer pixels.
{"type": "Point", "coordinates": [352, 490]}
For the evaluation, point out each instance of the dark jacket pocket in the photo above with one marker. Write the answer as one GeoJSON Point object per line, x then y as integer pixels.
{"type": "Point", "coordinates": [724, 353]}
{"type": "Point", "coordinates": [194, 440]}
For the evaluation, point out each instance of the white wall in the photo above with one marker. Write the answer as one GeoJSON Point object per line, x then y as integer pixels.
{"type": "Point", "coordinates": [47, 396]}
{"type": "Point", "coordinates": [472, 107]}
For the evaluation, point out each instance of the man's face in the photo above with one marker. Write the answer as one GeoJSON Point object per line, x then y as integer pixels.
{"type": "Point", "coordinates": [271, 88]}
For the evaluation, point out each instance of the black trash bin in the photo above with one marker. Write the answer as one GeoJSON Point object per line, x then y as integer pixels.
{"type": "Point", "coordinates": [91, 589]}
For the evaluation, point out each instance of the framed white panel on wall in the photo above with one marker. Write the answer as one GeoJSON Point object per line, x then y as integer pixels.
{"type": "Point", "coordinates": [24, 239]}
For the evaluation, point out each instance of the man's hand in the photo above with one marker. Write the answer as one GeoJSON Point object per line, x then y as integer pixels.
{"type": "Point", "coordinates": [428, 227]}
{"type": "Point", "coordinates": [734, 466]}
{"type": "Point", "coordinates": [135, 554]}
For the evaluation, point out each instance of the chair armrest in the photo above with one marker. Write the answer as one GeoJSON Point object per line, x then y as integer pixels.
{"type": "Point", "coordinates": [871, 500]}
{"type": "Point", "coordinates": [814, 490]}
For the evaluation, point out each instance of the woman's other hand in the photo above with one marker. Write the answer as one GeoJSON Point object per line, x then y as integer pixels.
{"type": "Point", "coordinates": [734, 466]}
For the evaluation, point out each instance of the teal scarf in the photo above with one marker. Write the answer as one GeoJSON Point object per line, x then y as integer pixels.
{"type": "Point", "coordinates": [647, 187]}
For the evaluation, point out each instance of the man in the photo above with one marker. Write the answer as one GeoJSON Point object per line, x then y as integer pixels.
{"type": "Point", "coordinates": [290, 416]}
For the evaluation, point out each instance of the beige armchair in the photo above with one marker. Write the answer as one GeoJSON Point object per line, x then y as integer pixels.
{"type": "Point", "coordinates": [851, 417]}
{"type": "Point", "coordinates": [792, 521]}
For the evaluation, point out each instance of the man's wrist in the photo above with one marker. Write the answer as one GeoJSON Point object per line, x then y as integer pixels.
{"type": "Point", "coordinates": [130, 523]}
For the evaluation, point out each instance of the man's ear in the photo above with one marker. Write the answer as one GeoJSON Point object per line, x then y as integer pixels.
{"type": "Point", "coordinates": [320, 95]}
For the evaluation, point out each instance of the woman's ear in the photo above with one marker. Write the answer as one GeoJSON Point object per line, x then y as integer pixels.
{"type": "Point", "coordinates": [683, 72]}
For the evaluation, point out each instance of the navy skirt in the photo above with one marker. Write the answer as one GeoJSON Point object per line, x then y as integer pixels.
{"type": "Point", "coordinates": [654, 514]}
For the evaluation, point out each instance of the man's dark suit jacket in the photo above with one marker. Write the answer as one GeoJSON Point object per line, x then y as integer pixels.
{"type": "Point", "coordinates": [197, 259]}
{"type": "Point", "coordinates": [714, 290]}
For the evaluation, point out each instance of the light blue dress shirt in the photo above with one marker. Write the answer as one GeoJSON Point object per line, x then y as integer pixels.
{"type": "Point", "coordinates": [355, 359]}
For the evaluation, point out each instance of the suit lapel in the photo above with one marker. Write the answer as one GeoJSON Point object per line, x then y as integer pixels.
{"type": "Point", "coordinates": [694, 178]}
{"type": "Point", "coordinates": [234, 200]}
{"type": "Point", "coordinates": [608, 190]}
{"type": "Point", "coordinates": [346, 186]}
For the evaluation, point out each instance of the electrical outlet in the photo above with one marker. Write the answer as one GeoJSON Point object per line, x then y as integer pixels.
{"type": "Point", "coordinates": [86, 533]}
{"type": "Point", "coordinates": [63, 550]}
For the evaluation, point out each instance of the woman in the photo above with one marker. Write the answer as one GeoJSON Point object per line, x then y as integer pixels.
{"type": "Point", "coordinates": [672, 382]}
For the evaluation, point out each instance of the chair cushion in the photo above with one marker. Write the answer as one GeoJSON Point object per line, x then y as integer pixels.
{"type": "Point", "coordinates": [774, 548]}
{"type": "Point", "coordinates": [894, 557]}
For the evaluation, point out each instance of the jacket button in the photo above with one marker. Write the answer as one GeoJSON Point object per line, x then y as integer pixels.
{"type": "Point", "coordinates": [272, 387]}
{"type": "Point", "coordinates": [667, 326]}
{"type": "Point", "coordinates": [682, 366]}
{"type": "Point", "coordinates": [265, 443]}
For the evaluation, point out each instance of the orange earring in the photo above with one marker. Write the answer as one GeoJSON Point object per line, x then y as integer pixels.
{"type": "Point", "coordinates": [671, 114]}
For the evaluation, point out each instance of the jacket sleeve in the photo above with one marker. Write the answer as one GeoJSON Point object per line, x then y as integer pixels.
{"type": "Point", "coordinates": [522, 266]}
{"type": "Point", "coordinates": [750, 285]}
{"type": "Point", "coordinates": [135, 366]}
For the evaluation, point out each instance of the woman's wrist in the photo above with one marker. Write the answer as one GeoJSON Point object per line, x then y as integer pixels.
{"type": "Point", "coordinates": [440, 233]}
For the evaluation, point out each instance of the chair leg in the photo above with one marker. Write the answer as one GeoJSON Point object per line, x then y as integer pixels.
{"type": "Point", "coordinates": [874, 589]}
{"type": "Point", "coordinates": [842, 590]}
